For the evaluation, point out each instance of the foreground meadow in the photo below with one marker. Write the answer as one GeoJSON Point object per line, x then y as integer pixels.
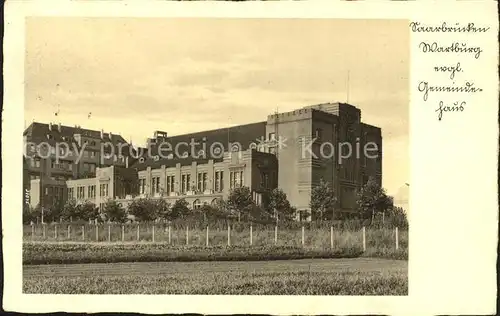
{"type": "Point", "coordinates": [359, 276]}
{"type": "Point", "coordinates": [260, 261]}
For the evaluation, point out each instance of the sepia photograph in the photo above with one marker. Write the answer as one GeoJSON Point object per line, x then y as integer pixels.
{"type": "Point", "coordinates": [216, 156]}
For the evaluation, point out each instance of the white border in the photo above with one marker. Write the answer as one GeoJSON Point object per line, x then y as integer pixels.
{"type": "Point", "coordinates": [453, 198]}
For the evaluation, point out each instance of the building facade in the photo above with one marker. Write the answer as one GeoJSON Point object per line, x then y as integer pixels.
{"type": "Point", "coordinates": [325, 142]}
{"type": "Point", "coordinates": [293, 151]}
{"type": "Point", "coordinates": [203, 181]}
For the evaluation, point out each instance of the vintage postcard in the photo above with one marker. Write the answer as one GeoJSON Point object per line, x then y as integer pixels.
{"type": "Point", "coordinates": [217, 157]}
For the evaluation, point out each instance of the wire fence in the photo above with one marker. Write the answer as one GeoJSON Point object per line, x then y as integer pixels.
{"type": "Point", "coordinates": [241, 234]}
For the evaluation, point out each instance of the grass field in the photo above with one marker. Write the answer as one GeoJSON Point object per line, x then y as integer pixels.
{"type": "Point", "coordinates": [64, 253]}
{"type": "Point", "coordinates": [359, 276]}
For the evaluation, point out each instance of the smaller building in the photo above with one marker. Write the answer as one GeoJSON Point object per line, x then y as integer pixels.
{"type": "Point", "coordinates": [110, 183]}
{"type": "Point", "coordinates": [204, 181]}
{"type": "Point", "coordinates": [199, 182]}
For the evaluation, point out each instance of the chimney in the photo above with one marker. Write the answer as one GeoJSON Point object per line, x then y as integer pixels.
{"type": "Point", "coordinates": [110, 134]}
{"type": "Point", "coordinates": [50, 126]}
{"type": "Point", "coordinates": [59, 127]}
{"type": "Point", "coordinates": [102, 134]}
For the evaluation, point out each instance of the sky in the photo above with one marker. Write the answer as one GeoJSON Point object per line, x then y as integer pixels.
{"type": "Point", "coordinates": [138, 75]}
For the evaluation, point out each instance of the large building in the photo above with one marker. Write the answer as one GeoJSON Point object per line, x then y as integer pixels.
{"type": "Point", "coordinates": [55, 154]}
{"type": "Point", "coordinates": [293, 151]}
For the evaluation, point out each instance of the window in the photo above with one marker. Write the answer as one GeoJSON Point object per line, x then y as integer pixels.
{"type": "Point", "coordinates": [91, 192]}
{"type": "Point", "coordinates": [80, 192]}
{"type": "Point", "coordinates": [272, 136]}
{"type": "Point", "coordinates": [142, 186]}
{"type": "Point", "coordinates": [236, 178]}
{"type": "Point", "coordinates": [156, 185]}
{"type": "Point", "coordinates": [71, 193]}
{"type": "Point", "coordinates": [185, 182]}
{"type": "Point", "coordinates": [170, 184]}
{"type": "Point", "coordinates": [264, 180]}
{"type": "Point", "coordinates": [37, 162]}
{"type": "Point", "coordinates": [104, 189]}
{"type": "Point", "coordinates": [92, 154]}
{"type": "Point", "coordinates": [197, 204]}
{"type": "Point", "coordinates": [219, 181]}
{"type": "Point", "coordinates": [202, 181]}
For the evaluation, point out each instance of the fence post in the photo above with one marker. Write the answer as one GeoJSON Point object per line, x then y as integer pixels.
{"type": "Point", "coordinates": [207, 236]}
{"type": "Point", "coordinates": [123, 233]}
{"type": "Point", "coordinates": [43, 233]}
{"type": "Point", "coordinates": [276, 235]}
{"type": "Point", "coordinates": [397, 239]}
{"type": "Point", "coordinates": [32, 231]}
{"type": "Point", "coordinates": [109, 232]}
{"type": "Point", "coordinates": [251, 241]}
{"type": "Point", "coordinates": [96, 232]}
{"type": "Point", "coordinates": [187, 235]}
{"type": "Point", "coordinates": [138, 232]}
{"type": "Point", "coordinates": [83, 232]}
{"type": "Point", "coordinates": [303, 241]}
{"type": "Point", "coordinates": [55, 231]}
{"type": "Point", "coordinates": [69, 231]}
{"type": "Point", "coordinates": [169, 236]}
{"type": "Point", "coordinates": [229, 235]}
{"type": "Point", "coordinates": [364, 239]}
{"type": "Point", "coordinates": [331, 237]}
{"type": "Point", "coordinates": [153, 233]}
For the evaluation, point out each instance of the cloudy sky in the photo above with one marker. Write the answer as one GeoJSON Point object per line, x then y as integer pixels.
{"type": "Point", "coordinates": [185, 75]}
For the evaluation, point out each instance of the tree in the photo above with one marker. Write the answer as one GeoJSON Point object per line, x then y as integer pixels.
{"type": "Point", "coordinates": [53, 212]}
{"type": "Point", "coordinates": [322, 201]}
{"type": "Point", "coordinates": [28, 214]}
{"type": "Point", "coordinates": [221, 209]}
{"type": "Point", "coordinates": [397, 216]}
{"type": "Point", "coordinates": [36, 213]}
{"type": "Point", "coordinates": [278, 205]}
{"type": "Point", "coordinates": [70, 211]}
{"type": "Point", "coordinates": [240, 201]}
{"type": "Point", "coordinates": [180, 209]}
{"type": "Point", "coordinates": [163, 210]}
{"type": "Point", "coordinates": [87, 211]}
{"type": "Point", "coordinates": [114, 212]}
{"type": "Point", "coordinates": [373, 199]}
{"type": "Point", "coordinates": [144, 209]}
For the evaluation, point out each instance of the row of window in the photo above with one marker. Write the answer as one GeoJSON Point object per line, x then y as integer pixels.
{"type": "Point", "coordinates": [91, 192]}
{"type": "Point", "coordinates": [64, 165]}
{"type": "Point", "coordinates": [235, 180]}
{"type": "Point", "coordinates": [56, 192]}
{"type": "Point", "coordinates": [35, 162]}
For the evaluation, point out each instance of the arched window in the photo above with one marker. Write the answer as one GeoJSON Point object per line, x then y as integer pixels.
{"type": "Point", "coordinates": [215, 201]}
{"type": "Point", "coordinates": [197, 204]}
